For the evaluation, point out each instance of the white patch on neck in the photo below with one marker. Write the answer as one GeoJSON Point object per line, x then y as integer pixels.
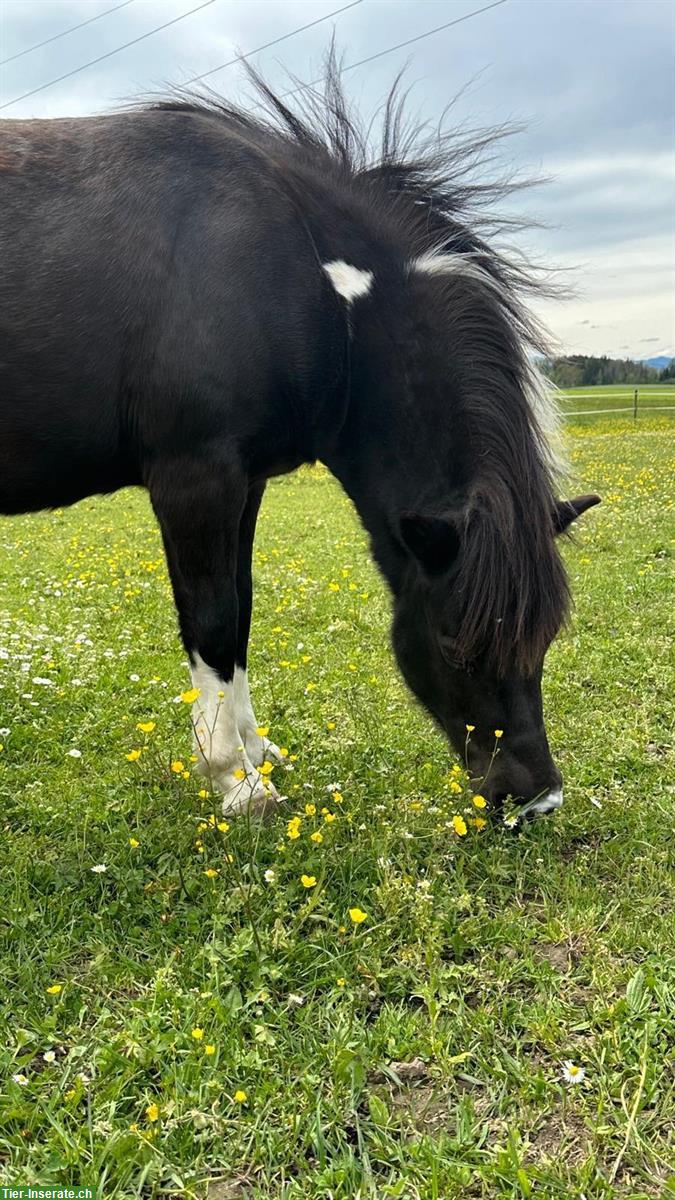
{"type": "Point", "coordinates": [439, 263]}
{"type": "Point", "coordinates": [349, 282]}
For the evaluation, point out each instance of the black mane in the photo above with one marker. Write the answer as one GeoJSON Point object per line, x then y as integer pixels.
{"type": "Point", "coordinates": [429, 189]}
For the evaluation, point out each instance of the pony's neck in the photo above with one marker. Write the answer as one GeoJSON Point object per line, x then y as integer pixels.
{"type": "Point", "coordinates": [404, 445]}
{"type": "Point", "coordinates": [389, 466]}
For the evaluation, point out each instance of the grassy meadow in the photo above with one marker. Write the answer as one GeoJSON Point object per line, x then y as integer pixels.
{"type": "Point", "coordinates": [183, 1015]}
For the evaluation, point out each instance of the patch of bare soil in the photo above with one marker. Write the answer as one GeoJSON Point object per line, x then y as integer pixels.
{"type": "Point", "coordinates": [561, 1136]}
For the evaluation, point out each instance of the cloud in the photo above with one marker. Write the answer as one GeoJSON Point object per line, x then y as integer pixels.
{"type": "Point", "coordinates": [591, 82]}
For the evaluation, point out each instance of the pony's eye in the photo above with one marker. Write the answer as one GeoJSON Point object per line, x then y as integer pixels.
{"type": "Point", "coordinates": [450, 654]}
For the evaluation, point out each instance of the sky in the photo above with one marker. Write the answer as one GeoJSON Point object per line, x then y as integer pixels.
{"type": "Point", "coordinates": [591, 81]}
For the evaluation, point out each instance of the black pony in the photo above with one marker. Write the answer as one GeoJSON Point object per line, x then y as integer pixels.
{"type": "Point", "coordinates": [194, 300]}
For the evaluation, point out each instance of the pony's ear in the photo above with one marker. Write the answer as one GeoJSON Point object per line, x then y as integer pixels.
{"type": "Point", "coordinates": [434, 541]}
{"type": "Point", "coordinates": [567, 511]}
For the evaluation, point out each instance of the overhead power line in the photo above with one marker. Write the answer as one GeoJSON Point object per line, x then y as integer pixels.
{"type": "Point", "coordinates": [65, 32]}
{"type": "Point", "coordinates": [249, 54]}
{"type": "Point", "coordinates": [399, 45]}
{"type": "Point", "coordinates": [294, 91]}
{"type": "Point", "coordinates": [101, 57]}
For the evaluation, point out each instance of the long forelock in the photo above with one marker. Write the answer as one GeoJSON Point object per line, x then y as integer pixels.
{"type": "Point", "coordinates": [511, 585]}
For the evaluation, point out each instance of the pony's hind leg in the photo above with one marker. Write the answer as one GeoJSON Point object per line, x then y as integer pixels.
{"type": "Point", "coordinates": [258, 746]}
{"type": "Point", "coordinates": [199, 505]}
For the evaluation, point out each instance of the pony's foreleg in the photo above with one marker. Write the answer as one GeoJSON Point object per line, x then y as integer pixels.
{"type": "Point", "coordinates": [258, 746]}
{"type": "Point", "coordinates": [199, 505]}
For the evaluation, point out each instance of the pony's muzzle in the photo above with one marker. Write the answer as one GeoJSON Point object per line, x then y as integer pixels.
{"type": "Point", "coordinates": [540, 807]}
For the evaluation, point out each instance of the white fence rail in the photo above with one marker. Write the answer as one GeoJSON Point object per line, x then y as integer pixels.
{"type": "Point", "coordinates": [640, 402]}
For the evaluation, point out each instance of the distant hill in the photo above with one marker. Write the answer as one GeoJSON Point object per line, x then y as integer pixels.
{"type": "Point", "coordinates": [585, 370]}
{"type": "Point", "coordinates": [660, 362]}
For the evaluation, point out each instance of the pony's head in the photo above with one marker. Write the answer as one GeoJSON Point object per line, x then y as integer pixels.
{"type": "Point", "coordinates": [474, 658]}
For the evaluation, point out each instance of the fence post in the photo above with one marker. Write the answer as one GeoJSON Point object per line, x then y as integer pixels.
{"type": "Point", "coordinates": [635, 403]}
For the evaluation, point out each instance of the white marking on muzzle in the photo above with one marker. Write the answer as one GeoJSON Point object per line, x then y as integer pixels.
{"type": "Point", "coordinates": [539, 808]}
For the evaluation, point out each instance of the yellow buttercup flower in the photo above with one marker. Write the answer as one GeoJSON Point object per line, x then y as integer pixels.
{"type": "Point", "coordinates": [310, 809]}
{"type": "Point", "coordinates": [146, 726]}
{"type": "Point", "coordinates": [54, 989]}
{"type": "Point", "coordinates": [198, 1033]}
{"type": "Point", "coordinates": [133, 755]}
{"type": "Point", "coordinates": [177, 767]}
{"type": "Point", "coordinates": [499, 733]}
{"type": "Point", "coordinates": [480, 801]}
{"type": "Point", "coordinates": [308, 881]}
{"type": "Point", "coordinates": [240, 1096]}
{"type": "Point", "coordinates": [239, 773]}
{"type": "Point", "coordinates": [211, 873]}
{"type": "Point", "coordinates": [134, 843]}
{"type": "Point", "coordinates": [357, 915]}
{"type": "Point", "coordinates": [316, 837]}
{"type": "Point", "coordinates": [191, 695]}
{"type": "Point", "coordinates": [266, 768]}
{"type": "Point", "coordinates": [470, 728]}
{"type": "Point", "coordinates": [262, 730]}
{"type": "Point", "coordinates": [459, 825]}
{"type": "Point", "coordinates": [209, 1048]}
{"type": "Point", "coordinates": [152, 1112]}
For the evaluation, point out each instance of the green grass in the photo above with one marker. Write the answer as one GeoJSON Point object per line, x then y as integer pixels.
{"type": "Point", "coordinates": [486, 960]}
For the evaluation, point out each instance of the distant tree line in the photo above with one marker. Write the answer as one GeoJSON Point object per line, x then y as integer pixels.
{"type": "Point", "coordinates": [582, 370]}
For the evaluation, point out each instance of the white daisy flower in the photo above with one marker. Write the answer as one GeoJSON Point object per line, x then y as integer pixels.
{"type": "Point", "coordinates": [49, 1056]}
{"type": "Point", "coordinates": [20, 1079]}
{"type": "Point", "coordinates": [270, 875]}
{"type": "Point", "coordinates": [75, 753]}
{"type": "Point", "coordinates": [572, 1074]}
{"type": "Point", "coordinates": [99, 869]}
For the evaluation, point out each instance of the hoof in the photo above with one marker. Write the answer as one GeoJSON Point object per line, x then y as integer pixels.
{"type": "Point", "coordinates": [253, 795]}
{"type": "Point", "coordinates": [242, 787]}
{"type": "Point", "coordinates": [259, 806]}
